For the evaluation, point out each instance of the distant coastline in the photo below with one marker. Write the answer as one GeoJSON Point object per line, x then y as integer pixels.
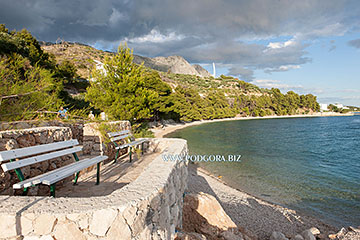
{"type": "Point", "coordinates": [162, 131]}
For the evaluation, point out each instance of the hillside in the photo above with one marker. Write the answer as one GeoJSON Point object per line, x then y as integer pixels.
{"type": "Point", "coordinates": [174, 70]}
{"type": "Point", "coordinates": [85, 58]}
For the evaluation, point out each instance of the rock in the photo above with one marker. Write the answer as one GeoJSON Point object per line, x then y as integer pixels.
{"type": "Point", "coordinates": [350, 228]}
{"type": "Point", "coordinates": [11, 144]}
{"type": "Point", "coordinates": [202, 72]}
{"type": "Point", "coordinates": [314, 231]}
{"type": "Point", "coordinates": [202, 213]}
{"type": "Point", "coordinates": [26, 226]}
{"type": "Point", "coordinates": [277, 236]}
{"type": "Point", "coordinates": [26, 140]}
{"type": "Point", "coordinates": [7, 226]}
{"type": "Point", "coordinates": [332, 236]}
{"type": "Point", "coordinates": [102, 220]}
{"type": "Point", "coordinates": [119, 228]}
{"type": "Point", "coordinates": [31, 238]}
{"type": "Point", "coordinates": [44, 224]}
{"type": "Point", "coordinates": [68, 231]}
{"type": "Point", "coordinates": [189, 236]}
{"type": "Point", "coordinates": [229, 235]}
{"type": "Point", "coordinates": [46, 237]}
{"type": "Point", "coordinates": [297, 237]}
{"type": "Point", "coordinates": [307, 234]}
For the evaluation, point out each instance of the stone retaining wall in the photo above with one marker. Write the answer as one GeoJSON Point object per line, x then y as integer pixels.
{"type": "Point", "coordinates": [95, 144]}
{"type": "Point", "coordinates": [52, 131]}
{"type": "Point", "coordinates": [13, 139]}
{"type": "Point", "coordinates": [148, 208]}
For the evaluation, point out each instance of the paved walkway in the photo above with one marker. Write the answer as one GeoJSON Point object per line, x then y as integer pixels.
{"type": "Point", "coordinates": [112, 177]}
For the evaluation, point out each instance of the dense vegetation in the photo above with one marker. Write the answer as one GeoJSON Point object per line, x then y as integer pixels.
{"type": "Point", "coordinates": [32, 82]}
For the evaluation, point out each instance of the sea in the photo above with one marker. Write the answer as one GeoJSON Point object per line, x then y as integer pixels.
{"type": "Point", "coordinates": [311, 165]}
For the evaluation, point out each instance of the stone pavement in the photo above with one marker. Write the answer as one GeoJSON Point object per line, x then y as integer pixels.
{"type": "Point", "coordinates": [113, 176]}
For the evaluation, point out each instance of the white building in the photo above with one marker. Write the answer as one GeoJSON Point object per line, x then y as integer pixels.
{"type": "Point", "coordinates": [323, 107]}
{"type": "Point", "coordinates": [339, 105]}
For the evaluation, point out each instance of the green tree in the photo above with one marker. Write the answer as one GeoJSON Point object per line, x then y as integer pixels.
{"type": "Point", "coordinates": [26, 90]}
{"type": "Point", "coordinates": [120, 91]}
{"type": "Point", "coordinates": [66, 71]}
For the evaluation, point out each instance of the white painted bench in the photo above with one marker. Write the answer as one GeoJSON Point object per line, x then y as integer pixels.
{"type": "Point", "coordinates": [22, 157]}
{"type": "Point", "coordinates": [130, 142]}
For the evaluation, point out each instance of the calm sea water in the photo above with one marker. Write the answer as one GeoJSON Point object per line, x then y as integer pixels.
{"type": "Point", "coordinates": [308, 164]}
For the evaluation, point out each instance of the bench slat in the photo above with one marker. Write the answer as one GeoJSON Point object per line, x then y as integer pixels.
{"type": "Point", "coordinates": [36, 180]}
{"type": "Point", "coordinates": [130, 144]}
{"type": "Point", "coordinates": [73, 167]}
{"type": "Point", "coordinates": [114, 134]}
{"type": "Point", "coordinates": [68, 172]}
{"type": "Point", "coordinates": [114, 139]}
{"type": "Point", "coordinates": [28, 151]}
{"type": "Point", "coordinates": [40, 158]}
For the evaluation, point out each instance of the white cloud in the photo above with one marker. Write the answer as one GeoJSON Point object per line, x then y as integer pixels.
{"type": "Point", "coordinates": [269, 83]}
{"type": "Point", "coordinates": [275, 45]}
{"type": "Point", "coordinates": [156, 37]}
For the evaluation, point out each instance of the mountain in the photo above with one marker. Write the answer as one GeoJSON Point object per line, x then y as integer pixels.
{"type": "Point", "coordinates": [85, 58]}
{"type": "Point", "coordinates": [203, 72]}
{"type": "Point", "coordinates": [172, 64]}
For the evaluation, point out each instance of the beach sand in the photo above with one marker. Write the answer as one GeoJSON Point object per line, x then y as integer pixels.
{"type": "Point", "coordinates": [163, 130]}
{"type": "Point", "coordinates": [258, 217]}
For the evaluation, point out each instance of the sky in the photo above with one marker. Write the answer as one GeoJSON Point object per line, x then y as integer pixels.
{"type": "Point", "coordinates": [307, 46]}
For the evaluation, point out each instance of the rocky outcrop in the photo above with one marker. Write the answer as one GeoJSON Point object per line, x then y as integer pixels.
{"type": "Point", "coordinates": [204, 218]}
{"type": "Point", "coordinates": [202, 71]}
{"type": "Point", "coordinates": [173, 64]}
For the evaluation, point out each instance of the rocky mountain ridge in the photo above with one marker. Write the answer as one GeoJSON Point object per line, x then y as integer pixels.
{"type": "Point", "coordinates": [172, 64]}
{"type": "Point", "coordinates": [85, 57]}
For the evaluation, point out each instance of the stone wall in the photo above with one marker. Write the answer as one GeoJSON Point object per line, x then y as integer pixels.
{"type": "Point", "coordinates": [95, 144]}
{"type": "Point", "coordinates": [148, 208]}
{"type": "Point", "coordinates": [75, 126]}
{"type": "Point", "coordinates": [52, 131]}
{"type": "Point", "coordinates": [13, 139]}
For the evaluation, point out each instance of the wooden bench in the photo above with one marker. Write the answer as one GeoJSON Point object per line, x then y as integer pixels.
{"type": "Point", "coordinates": [130, 142]}
{"type": "Point", "coordinates": [30, 155]}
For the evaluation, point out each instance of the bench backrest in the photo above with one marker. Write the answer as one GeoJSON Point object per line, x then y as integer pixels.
{"type": "Point", "coordinates": [116, 136]}
{"type": "Point", "coordinates": [43, 152]}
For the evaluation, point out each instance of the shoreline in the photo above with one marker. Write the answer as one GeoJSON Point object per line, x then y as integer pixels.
{"type": "Point", "coordinates": [160, 132]}
{"type": "Point", "coordinates": [226, 194]}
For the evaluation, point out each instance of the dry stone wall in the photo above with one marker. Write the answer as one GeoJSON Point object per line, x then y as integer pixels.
{"type": "Point", "coordinates": [31, 133]}
{"type": "Point", "coordinates": [13, 139]}
{"type": "Point", "coordinates": [148, 208]}
{"type": "Point", "coordinates": [95, 144]}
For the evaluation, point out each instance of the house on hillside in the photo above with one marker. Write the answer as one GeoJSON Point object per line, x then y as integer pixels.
{"type": "Point", "coordinates": [323, 107]}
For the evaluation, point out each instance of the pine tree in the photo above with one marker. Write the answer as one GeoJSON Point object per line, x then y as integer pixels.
{"type": "Point", "coordinates": [120, 91]}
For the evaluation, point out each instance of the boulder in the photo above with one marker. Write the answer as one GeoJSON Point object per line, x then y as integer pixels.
{"type": "Point", "coordinates": [203, 214]}
{"type": "Point", "coordinates": [314, 231]}
{"type": "Point", "coordinates": [278, 236]}
{"type": "Point", "coordinates": [297, 237]}
{"type": "Point", "coordinates": [307, 234]}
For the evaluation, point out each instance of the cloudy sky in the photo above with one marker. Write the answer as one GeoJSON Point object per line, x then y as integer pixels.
{"type": "Point", "coordinates": [308, 46]}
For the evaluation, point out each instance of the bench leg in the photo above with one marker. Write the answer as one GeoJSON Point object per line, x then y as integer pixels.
{"type": "Point", "coordinates": [116, 155]}
{"type": "Point", "coordinates": [142, 148]}
{"type": "Point", "coordinates": [76, 178]}
{"type": "Point", "coordinates": [25, 191]}
{"type": "Point", "coordinates": [130, 154]}
{"type": "Point", "coordinates": [98, 174]}
{"type": "Point", "coordinates": [52, 190]}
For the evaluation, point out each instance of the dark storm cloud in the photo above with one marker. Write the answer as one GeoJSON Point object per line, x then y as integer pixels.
{"type": "Point", "coordinates": [202, 31]}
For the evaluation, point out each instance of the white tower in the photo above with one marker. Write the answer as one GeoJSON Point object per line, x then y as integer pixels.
{"type": "Point", "coordinates": [214, 70]}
